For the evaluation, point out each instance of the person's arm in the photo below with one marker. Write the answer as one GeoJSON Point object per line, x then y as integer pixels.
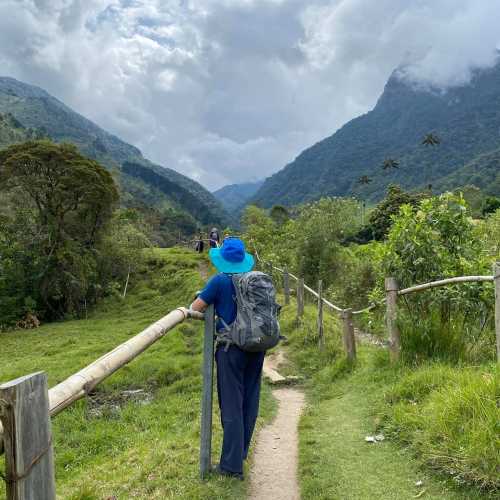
{"type": "Point", "coordinates": [198, 305]}
{"type": "Point", "coordinates": [206, 296]}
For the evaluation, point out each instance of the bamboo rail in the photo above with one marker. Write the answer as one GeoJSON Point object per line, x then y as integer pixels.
{"type": "Point", "coordinates": [390, 300]}
{"type": "Point", "coordinates": [447, 281]}
{"type": "Point", "coordinates": [369, 308]}
{"type": "Point", "coordinates": [81, 383]}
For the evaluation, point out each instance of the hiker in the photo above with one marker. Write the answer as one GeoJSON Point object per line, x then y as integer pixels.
{"type": "Point", "coordinates": [214, 238]}
{"type": "Point", "coordinates": [240, 345]}
{"type": "Point", "coordinates": [200, 245]}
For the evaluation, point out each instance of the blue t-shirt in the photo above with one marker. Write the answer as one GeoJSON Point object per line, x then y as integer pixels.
{"type": "Point", "coordinates": [220, 291]}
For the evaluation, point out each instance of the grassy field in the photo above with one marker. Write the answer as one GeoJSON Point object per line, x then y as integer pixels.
{"type": "Point", "coordinates": [441, 438]}
{"type": "Point", "coordinates": [118, 444]}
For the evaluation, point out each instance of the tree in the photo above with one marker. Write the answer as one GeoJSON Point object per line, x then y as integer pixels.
{"type": "Point", "coordinates": [490, 205]}
{"type": "Point", "coordinates": [71, 195]}
{"type": "Point", "coordinates": [57, 205]}
{"type": "Point", "coordinates": [364, 180]}
{"type": "Point", "coordinates": [390, 163]}
{"type": "Point", "coordinates": [431, 140]}
{"type": "Point", "coordinates": [381, 218]}
{"type": "Point", "coordinates": [279, 214]}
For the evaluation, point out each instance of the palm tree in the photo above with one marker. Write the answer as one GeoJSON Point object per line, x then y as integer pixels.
{"type": "Point", "coordinates": [390, 163]}
{"type": "Point", "coordinates": [431, 139]}
{"type": "Point", "coordinates": [364, 180]}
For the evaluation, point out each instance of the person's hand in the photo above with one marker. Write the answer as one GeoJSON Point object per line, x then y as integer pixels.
{"type": "Point", "coordinates": [191, 313]}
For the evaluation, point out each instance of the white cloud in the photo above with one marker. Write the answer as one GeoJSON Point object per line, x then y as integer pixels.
{"type": "Point", "coordinates": [231, 90]}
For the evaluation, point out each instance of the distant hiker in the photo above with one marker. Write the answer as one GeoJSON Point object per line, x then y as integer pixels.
{"type": "Point", "coordinates": [214, 238]}
{"type": "Point", "coordinates": [200, 245]}
{"type": "Point", "coordinates": [247, 325]}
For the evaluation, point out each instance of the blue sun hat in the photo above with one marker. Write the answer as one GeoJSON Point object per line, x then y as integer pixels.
{"type": "Point", "coordinates": [231, 257]}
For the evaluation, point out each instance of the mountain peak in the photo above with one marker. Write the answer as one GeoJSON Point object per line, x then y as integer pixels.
{"type": "Point", "coordinates": [466, 118]}
{"type": "Point", "coordinates": [11, 86]}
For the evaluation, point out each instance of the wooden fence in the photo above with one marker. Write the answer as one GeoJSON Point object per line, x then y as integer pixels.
{"type": "Point", "coordinates": [392, 292]}
{"type": "Point", "coordinates": [27, 405]}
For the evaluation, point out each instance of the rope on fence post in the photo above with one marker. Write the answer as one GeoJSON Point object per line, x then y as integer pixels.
{"type": "Point", "coordinates": [321, 340]}
{"type": "Point", "coordinates": [391, 290]}
{"type": "Point", "coordinates": [348, 331]}
{"type": "Point", "coordinates": [300, 298]}
{"type": "Point", "coordinates": [286, 285]}
{"type": "Point", "coordinates": [496, 280]}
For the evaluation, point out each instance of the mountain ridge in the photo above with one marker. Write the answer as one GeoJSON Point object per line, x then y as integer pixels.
{"type": "Point", "coordinates": [466, 119]}
{"type": "Point", "coordinates": [35, 108]}
{"type": "Point", "coordinates": [235, 196]}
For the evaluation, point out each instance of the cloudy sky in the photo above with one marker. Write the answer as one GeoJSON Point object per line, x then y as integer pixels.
{"type": "Point", "coordinates": [229, 91]}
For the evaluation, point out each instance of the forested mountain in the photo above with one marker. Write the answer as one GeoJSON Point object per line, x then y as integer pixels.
{"type": "Point", "coordinates": [12, 131]}
{"type": "Point", "coordinates": [149, 185]}
{"type": "Point", "coordinates": [465, 120]}
{"type": "Point", "coordinates": [234, 196]}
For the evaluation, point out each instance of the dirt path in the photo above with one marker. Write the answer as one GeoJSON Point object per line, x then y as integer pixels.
{"type": "Point", "coordinates": [275, 459]}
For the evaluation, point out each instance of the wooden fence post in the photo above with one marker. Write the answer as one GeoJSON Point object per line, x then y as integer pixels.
{"type": "Point", "coordinates": [29, 458]}
{"type": "Point", "coordinates": [286, 285]}
{"type": "Point", "coordinates": [300, 298]}
{"type": "Point", "coordinates": [207, 396]}
{"type": "Point", "coordinates": [496, 280]}
{"type": "Point", "coordinates": [349, 338]}
{"type": "Point", "coordinates": [321, 339]}
{"type": "Point", "coordinates": [391, 290]}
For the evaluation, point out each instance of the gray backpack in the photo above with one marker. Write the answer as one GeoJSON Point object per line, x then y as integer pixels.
{"type": "Point", "coordinates": [256, 326]}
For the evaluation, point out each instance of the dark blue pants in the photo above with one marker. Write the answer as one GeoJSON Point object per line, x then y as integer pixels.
{"type": "Point", "coordinates": [238, 387]}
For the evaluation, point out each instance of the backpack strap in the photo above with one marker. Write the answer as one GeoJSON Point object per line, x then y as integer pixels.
{"type": "Point", "coordinates": [225, 338]}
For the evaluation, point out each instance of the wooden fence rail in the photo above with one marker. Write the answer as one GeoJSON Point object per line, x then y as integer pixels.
{"type": "Point", "coordinates": [447, 281]}
{"type": "Point", "coordinates": [391, 299]}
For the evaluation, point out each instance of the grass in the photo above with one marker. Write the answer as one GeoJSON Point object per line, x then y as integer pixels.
{"type": "Point", "coordinates": [117, 445]}
{"type": "Point", "coordinates": [451, 418]}
{"type": "Point", "coordinates": [427, 447]}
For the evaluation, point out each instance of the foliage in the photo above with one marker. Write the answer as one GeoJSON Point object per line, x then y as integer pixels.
{"type": "Point", "coordinates": [361, 273]}
{"type": "Point", "coordinates": [310, 242]}
{"type": "Point", "coordinates": [12, 131]}
{"type": "Point", "coordinates": [489, 234]}
{"type": "Point", "coordinates": [59, 250]}
{"type": "Point", "coordinates": [182, 198]}
{"type": "Point", "coordinates": [121, 252]}
{"type": "Point", "coordinates": [491, 204]}
{"type": "Point", "coordinates": [381, 217]}
{"type": "Point", "coordinates": [279, 214]}
{"type": "Point", "coordinates": [436, 242]}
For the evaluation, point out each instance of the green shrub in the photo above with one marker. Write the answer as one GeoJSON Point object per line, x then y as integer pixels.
{"type": "Point", "coordinates": [439, 241]}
